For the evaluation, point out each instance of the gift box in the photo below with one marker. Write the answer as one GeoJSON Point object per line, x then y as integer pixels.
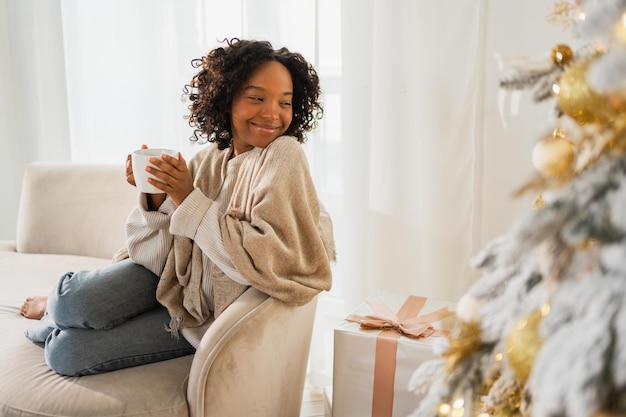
{"type": "Point", "coordinates": [377, 349]}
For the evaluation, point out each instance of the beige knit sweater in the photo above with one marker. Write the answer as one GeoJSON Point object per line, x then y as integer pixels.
{"type": "Point", "coordinates": [274, 231]}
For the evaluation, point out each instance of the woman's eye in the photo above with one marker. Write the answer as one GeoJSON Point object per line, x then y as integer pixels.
{"type": "Point", "coordinates": [254, 98]}
{"type": "Point", "coordinates": [286, 104]}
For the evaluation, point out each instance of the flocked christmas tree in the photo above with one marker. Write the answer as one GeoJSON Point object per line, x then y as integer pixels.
{"type": "Point", "coordinates": [543, 331]}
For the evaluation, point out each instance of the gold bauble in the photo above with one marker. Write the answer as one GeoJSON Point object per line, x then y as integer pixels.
{"type": "Point", "coordinates": [561, 55]}
{"type": "Point", "coordinates": [579, 101]}
{"type": "Point", "coordinates": [523, 344]}
{"type": "Point", "coordinates": [553, 155]}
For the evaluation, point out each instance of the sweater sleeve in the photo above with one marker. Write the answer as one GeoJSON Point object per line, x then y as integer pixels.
{"type": "Point", "coordinates": [272, 235]}
{"type": "Point", "coordinates": [198, 219]}
{"type": "Point", "coordinates": [147, 234]}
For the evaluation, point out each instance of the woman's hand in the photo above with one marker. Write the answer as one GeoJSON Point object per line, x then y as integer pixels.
{"type": "Point", "coordinates": [130, 177]}
{"type": "Point", "coordinates": [176, 180]}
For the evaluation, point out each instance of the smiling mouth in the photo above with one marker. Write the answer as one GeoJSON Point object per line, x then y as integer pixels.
{"type": "Point", "coordinates": [265, 128]}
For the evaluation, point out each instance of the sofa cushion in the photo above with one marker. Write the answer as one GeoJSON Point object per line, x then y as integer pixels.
{"type": "Point", "coordinates": [29, 388]}
{"type": "Point", "coordinates": [73, 195]}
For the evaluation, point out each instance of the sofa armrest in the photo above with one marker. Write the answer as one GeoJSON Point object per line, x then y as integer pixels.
{"type": "Point", "coordinates": [253, 359]}
{"type": "Point", "coordinates": [73, 209]}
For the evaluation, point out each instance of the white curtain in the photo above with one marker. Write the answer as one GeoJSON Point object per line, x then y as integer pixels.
{"type": "Point", "coordinates": [33, 105]}
{"type": "Point", "coordinates": [410, 132]}
{"type": "Point", "coordinates": [413, 159]}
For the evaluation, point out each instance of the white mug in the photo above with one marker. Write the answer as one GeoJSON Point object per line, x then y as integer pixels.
{"type": "Point", "coordinates": [140, 159]}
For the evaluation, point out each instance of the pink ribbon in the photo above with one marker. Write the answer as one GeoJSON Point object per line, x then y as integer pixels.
{"type": "Point", "coordinates": [407, 322]}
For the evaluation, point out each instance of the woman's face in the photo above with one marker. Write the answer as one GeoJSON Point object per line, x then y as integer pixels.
{"type": "Point", "coordinates": [261, 109]}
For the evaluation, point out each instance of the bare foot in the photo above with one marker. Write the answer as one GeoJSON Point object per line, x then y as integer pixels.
{"type": "Point", "coordinates": [34, 307]}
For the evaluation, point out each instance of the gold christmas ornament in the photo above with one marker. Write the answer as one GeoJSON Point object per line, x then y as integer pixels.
{"type": "Point", "coordinates": [561, 55]}
{"type": "Point", "coordinates": [523, 344]}
{"type": "Point", "coordinates": [553, 155]}
{"type": "Point", "coordinates": [579, 101]}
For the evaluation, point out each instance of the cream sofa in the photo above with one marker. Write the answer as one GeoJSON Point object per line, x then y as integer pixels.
{"type": "Point", "coordinates": [252, 362]}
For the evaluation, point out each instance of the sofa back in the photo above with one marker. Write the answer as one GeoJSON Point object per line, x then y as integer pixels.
{"type": "Point", "coordinates": [73, 209]}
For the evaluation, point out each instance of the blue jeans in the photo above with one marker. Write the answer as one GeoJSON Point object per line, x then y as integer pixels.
{"type": "Point", "coordinates": [106, 319]}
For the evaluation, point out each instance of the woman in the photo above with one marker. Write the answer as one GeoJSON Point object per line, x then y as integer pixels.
{"type": "Point", "coordinates": [243, 212]}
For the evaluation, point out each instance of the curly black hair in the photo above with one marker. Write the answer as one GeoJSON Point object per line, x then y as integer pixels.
{"type": "Point", "coordinates": [224, 70]}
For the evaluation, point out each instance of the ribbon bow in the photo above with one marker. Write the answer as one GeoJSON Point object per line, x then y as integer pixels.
{"type": "Point", "coordinates": [407, 322]}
